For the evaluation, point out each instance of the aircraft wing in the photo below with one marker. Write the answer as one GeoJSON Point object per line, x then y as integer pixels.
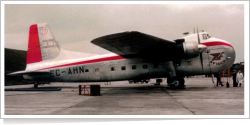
{"type": "Point", "coordinates": [136, 44]}
{"type": "Point", "coordinates": [33, 73]}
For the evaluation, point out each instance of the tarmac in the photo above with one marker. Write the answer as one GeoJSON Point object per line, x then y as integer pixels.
{"type": "Point", "coordinates": [200, 97]}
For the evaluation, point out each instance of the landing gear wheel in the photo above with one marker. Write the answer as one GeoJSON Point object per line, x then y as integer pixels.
{"type": "Point", "coordinates": [178, 83]}
{"type": "Point", "coordinates": [36, 85]}
{"type": "Point", "coordinates": [158, 81]}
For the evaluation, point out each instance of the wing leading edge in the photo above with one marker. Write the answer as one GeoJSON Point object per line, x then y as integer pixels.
{"type": "Point", "coordinates": [140, 45]}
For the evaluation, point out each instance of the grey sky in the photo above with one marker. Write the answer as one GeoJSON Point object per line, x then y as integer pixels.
{"type": "Point", "coordinates": [74, 26]}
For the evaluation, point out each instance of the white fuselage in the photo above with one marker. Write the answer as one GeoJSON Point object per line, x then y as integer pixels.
{"type": "Point", "coordinates": [70, 67]}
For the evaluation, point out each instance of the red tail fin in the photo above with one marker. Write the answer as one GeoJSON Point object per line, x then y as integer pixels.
{"type": "Point", "coordinates": [34, 50]}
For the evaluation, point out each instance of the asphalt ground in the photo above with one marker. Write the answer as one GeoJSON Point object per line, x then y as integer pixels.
{"type": "Point", "coordinates": [200, 97]}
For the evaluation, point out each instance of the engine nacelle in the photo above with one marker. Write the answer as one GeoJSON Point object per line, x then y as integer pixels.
{"type": "Point", "coordinates": [190, 49]}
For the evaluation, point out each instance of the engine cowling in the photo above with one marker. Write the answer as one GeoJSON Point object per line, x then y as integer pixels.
{"type": "Point", "coordinates": [190, 49]}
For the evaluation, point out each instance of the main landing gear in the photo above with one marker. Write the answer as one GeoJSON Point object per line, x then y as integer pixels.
{"type": "Point", "coordinates": [158, 81]}
{"type": "Point", "coordinates": [176, 83]}
{"type": "Point", "coordinates": [173, 83]}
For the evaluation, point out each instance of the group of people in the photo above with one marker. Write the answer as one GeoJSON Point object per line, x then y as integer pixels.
{"type": "Point", "coordinates": [237, 79]}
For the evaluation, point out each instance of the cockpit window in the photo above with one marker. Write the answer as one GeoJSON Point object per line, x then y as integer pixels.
{"type": "Point", "coordinates": [208, 36]}
{"type": "Point", "coordinates": [204, 36]}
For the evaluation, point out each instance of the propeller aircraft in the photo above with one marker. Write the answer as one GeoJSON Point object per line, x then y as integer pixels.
{"type": "Point", "coordinates": [135, 56]}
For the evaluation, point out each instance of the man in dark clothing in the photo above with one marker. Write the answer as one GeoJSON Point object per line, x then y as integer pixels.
{"type": "Point", "coordinates": [218, 79]}
{"type": "Point", "coordinates": [234, 79]}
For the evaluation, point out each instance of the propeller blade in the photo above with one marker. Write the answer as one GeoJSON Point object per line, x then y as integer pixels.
{"type": "Point", "coordinates": [212, 78]}
{"type": "Point", "coordinates": [200, 52]}
{"type": "Point", "coordinates": [198, 36]}
{"type": "Point", "coordinates": [201, 61]}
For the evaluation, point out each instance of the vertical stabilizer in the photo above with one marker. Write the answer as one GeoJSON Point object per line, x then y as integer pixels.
{"type": "Point", "coordinates": [42, 45]}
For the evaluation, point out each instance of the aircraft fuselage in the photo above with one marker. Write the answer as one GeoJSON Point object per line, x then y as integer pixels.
{"type": "Point", "coordinates": [112, 67]}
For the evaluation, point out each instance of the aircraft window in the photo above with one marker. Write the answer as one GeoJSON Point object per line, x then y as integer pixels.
{"type": "Point", "coordinates": [97, 70]}
{"type": "Point", "coordinates": [112, 68]}
{"type": "Point", "coordinates": [86, 70]}
{"type": "Point", "coordinates": [133, 67]}
{"type": "Point", "coordinates": [204, 36]}
{"type": "Point", "coordinates": [123, 68]}
{"type": "Point", "coordinates": [208, 36]}
{"type": "Point", "coordinates": [145, 66]}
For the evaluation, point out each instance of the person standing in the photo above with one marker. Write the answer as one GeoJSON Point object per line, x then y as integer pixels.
{"type": "Point", "coordinates": [239, 78]}
{"type": "Point", "coordinates": [218, 75]}
{"type": "Point", "coordinates": [234, 79]}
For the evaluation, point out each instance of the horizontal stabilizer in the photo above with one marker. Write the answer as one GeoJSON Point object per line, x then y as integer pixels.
{"type": "Point", "coordinates": [33, 73]}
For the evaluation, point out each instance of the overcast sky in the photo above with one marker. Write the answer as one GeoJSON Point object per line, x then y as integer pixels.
{"type": "Point", "coordinates": [74, 26]}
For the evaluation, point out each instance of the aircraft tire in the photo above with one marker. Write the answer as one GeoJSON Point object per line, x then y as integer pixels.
{"type": "Point", "coordinates": [178, 83]}
{"type": "Point", "coordinates": [158, 81]}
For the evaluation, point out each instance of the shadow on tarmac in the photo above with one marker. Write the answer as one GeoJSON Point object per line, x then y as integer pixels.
{"type": "Point", "coordinates": [35, 89]}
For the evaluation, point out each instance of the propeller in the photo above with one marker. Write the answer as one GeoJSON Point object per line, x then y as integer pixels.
{"type": "Point", "coordinates": [212, 76]}
{"type": "Point", "coordinates": [213, 79]}
{"type": "Point", "coordinates": [199, 48]}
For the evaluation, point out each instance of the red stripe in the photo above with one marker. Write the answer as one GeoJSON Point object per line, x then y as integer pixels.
{"type": "Point", "coordinates": [86, 62]}
{"type": "Point", "coordinates": [216, 43]}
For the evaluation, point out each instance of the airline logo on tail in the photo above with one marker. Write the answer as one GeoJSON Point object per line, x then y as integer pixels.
{"type": "Point", "coordinates": [43, 31]}
{"type": "Point", "coordinates": [42, 45]}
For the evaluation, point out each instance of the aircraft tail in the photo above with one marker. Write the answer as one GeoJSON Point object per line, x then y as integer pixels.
{"type": "Point", "coordinates": [42, 45]}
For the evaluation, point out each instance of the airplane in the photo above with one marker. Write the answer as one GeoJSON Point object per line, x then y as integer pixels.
{"type": "Point", "coordinates": [135, 56]}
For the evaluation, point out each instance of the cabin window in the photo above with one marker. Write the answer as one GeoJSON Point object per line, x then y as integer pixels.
{"type": "Point", "coordinates": [123, 68]}
{"type": "Point", "coordinates": [145, 66]}
{"type": "Point", "coordinates": [133, 67]}
{"type": "Point", "coordinates": [112, 69]}
{"type": "Point", "coordinates": [86, 70]}
{"type": "Point", "coordinates": [97, 70]}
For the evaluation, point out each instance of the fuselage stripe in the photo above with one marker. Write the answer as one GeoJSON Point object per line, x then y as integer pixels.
{"type": "Point", "coordinates": [216, 43]}
{"type": "Point", "coordinates": [87, 61]}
